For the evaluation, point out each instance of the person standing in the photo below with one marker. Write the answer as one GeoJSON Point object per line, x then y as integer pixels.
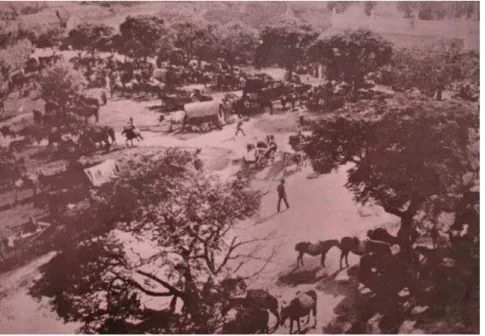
{"type": "Point", "coordinates": [282, 195]}
{"type": "Point", "coordinates": [300, 117]}
{"type": "Point", "coordinates": [239, 127]}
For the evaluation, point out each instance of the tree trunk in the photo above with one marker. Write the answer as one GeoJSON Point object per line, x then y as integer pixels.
{"type": "Point", "coordinates": [405, 235]}
{"type": "Point", "coordinates": [439, 93]}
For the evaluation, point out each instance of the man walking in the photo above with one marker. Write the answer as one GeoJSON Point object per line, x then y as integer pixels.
{"type": "Point", "coordinates": [239, 127]}
{"type": "Point", "coordinates": [282, 194]}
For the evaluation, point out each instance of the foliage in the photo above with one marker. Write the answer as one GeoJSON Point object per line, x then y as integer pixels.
{"type": "Point", "coordinates": [237, 45]}
{"type": "Point", "coordinates": [196, 40]}
{"type": "Point", "coordinates": [142, 35]}
{"type": "Point", "coordinates": [90, 37]}
{"type": "Point", "coordinates": [178, 217]}
{"type": "Point", "coordinates": [14, 56]}
{"type": "Point", "coordinates": [438, 10]}
{"type": "Point", "coordinates": [49, 38]}
{"type": "Point", "coordinates": [350, 56]}
{"type": "Point", "coordinates": [434, 68]}
{"type": "Point", "coordinates": [412, 155]}
{"type": "Point", "coordinates": [284, 46]}
{"type": "Point", "coordinates": [60, 83]}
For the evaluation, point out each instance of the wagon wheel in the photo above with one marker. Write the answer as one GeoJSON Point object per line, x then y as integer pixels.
{"type": "Point", "coordinates": [205, 127]}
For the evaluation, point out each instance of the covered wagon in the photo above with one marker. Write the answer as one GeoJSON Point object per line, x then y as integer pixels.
{"type": "Point", "coordinates": [204, 115]}
{"type": "Point", "coordinates": [160, 74]}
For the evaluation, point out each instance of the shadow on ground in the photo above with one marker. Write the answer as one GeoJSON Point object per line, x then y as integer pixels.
{"type": "Point", "coordinates": [302, 275]}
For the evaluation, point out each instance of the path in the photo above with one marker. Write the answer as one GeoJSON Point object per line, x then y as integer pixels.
{"type": "Point", "coordinates": [320, 209]}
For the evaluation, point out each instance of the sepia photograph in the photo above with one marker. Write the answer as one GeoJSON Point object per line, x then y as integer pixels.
{"type": "Point", "coordinates": [239, 167]}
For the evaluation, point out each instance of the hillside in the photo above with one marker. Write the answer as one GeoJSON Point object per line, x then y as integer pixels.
{"type": "Point", "coordinates": [254, 15]}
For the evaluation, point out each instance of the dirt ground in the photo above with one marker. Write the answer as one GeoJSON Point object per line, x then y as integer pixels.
{"type": "Point", "coordinates": [320, 208]}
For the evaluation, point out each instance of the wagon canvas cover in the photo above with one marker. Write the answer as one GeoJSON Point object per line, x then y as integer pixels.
{"type": "Point", "coordinates": [102, 173]}
{"type": "Point", "coordinates": [160, 74]}
{"type": "Point", "coordinates": [202, 109]}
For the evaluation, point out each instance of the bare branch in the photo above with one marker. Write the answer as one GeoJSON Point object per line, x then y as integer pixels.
{"type": "Point", "coordinates": [232, 247]}
{"type": "Point", "coordinates": [165, 284]}
{"type": "Point", "coordinates": [140, 287]}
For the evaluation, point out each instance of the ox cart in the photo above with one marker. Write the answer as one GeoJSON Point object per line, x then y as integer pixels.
{"type": "Point", "coordinates": [204, 115]}
{"type": "Point", "coordinates": [175, 100]}
{"type": "Point", "coordinates": [258, 96]}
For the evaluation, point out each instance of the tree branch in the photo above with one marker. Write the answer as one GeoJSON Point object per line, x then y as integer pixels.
{"type": "Point", "coordinates": [140, 287]}
{"type": "Point", "coordinates": [165, 284]}
{"type": "Point", "coordinates": [393, 211]}
{"type": "Point", "coordinates": [232, 247]}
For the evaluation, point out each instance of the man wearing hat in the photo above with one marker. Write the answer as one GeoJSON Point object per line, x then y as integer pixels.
{"type": "Point", "coordinates": [282, 195]}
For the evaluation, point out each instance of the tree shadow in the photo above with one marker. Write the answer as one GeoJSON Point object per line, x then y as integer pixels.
{"type": "Point", "coordinates": [142, 98]}
{"type": "Point", "coordinates": [264, 219]}
{"type": "Point", "coordinates": [157, 108]}
{"type": "Point", "coordinates": [361, 311]}
{"type": "Point", "coordinates": [346, 286]}
{"type": "Point", "coordinates": [303, 275]}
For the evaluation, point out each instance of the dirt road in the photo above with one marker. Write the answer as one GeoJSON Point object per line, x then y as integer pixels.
{"type": "Point", "coordinates": [321, 208]}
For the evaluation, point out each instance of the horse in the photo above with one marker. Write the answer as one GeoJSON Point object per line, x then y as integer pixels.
{"type": "Point", "coordinates": [302, 305]}
{"type": "Point", "coordinates": [361, 247]}
{"type": "Point", "coordinates": [7, 131]}
{"type": "Point", "coordinates": [265, 300]}
{"type": "Point", "coordinates": [99, 134]}
{"type": "Point", "coordinates": [89, 110]}
{"type": "Point", "coordinates": [38, 117]}
{"type": "Point", "coordinates": [382, 235]}
{"type": "Point", "coordinates": [131, 134]}
{"type": "Point", "coordinates": [247, 321]}
{"type": "Point", "coordinates": [319, 248]}
{"type": "Point", "coordinates": [258, 298]}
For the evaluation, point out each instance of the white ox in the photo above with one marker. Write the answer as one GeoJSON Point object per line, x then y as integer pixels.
{"type": "Point", "coordinates": [174, 118]}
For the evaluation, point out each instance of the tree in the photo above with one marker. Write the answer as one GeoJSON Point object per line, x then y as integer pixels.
{"type": "Point", "coordinates": [60, 84]}
{"type": "Point", "coordinates": [90, 37]}
{"type": "Point", "coordinates": [237, 44]}
{"type": "Point", "coordinates": [351, 56]}
{"type": "Point", "coordinates": [439, 10]}
{"type": "Point", "coordinates": [15, 56]}
{"type": "Point", "coordinates": [413, 155]}
{"type": "Point", "coordinates": [196, 40]}
{"type": "Point", "coordinates": [432, 69]}
{"type": "Point", "coordinates": [184, 217]}
{"type": "Point", "coordinates": [284, 46]}
{"type": "Point", "coordinates": [49, 38]}
{"type": "Point", "coordinates": [142, 35]}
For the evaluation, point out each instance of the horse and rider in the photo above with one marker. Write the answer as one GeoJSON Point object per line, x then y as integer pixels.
{"type": "Point", "coordinates": [131, 132]}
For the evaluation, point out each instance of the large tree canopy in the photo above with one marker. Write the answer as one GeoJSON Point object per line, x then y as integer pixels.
{"type": "Point", "coordinates": [236, 44]}
{"type": "Point", "coordinates": [284, 46]}
{"type": "Point", "coordinates": [352, 55]}
{"type": "Point", "coordinates": [60, 83]}
{"type": "Point", "coordinates": [431, 70]}
{"type": "Point", "coordinates": [196, 40]}
{"type": "Point", "coordinates": [162, 230]}
{"type": "Point", "coordinates": [414, 153]}
{"type": "Point", "coordinates": [142, 35]}
{"type": "Point", "coordinates": [90, 37]}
